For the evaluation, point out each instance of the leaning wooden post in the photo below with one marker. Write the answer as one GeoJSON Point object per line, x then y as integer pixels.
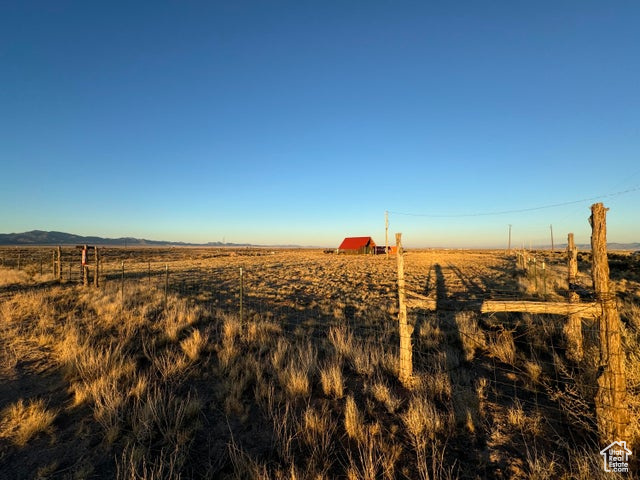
{"type": "Point", "coordinates": [573, 327]}
{"type": "Point", "coordinates": [97, 270]}
{"type": "Point", "coordinates": [406, 365]}
{"type": "Point", "coordinates": [611, 398]}
{"type": "Point", "coordinates": [53, 264]}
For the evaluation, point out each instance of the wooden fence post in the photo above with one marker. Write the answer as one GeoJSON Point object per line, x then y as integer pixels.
{"type": "Point", "coordinates": [406, 365]}
{"type": "Point", "coordinates": [83, 271]}
{"type": "Point", "coordinates": [97, 259]}
{"type": "Point", "coordinates": [611, 398]}
{"type": "Point", "coordinates": [122, 284]}
{"type": "Point", "coordinates": [573, 327]}
{"type": "Point", "coordinates": [241, 294]}
{"type": "Point", "coordinates": [53, 263]}
{"type": "Point", "coordinates": [166, 284]}
{"type": "Point", "coordinates": [59, 263]}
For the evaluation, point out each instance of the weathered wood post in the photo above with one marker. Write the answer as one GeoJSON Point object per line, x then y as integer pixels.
{"type": "Point", "coordinates": [573, 327]}
{"type": "Point", "coordinates": [84, 267]}
{"type": "Point", "coordinates": [59, 263]}
{"type": "Point", "coordinates": [122, 284]}
{"type": "Point", "coordinates": [611, 398]}
{"type": "Point", "coordinates": [241, 294]}
{"type": "Point", "coordinates": [166, 284]}
{"type": "Point", "coordinates": [97, 269]}
{"type": "Point", "coordinates": [406, 354]}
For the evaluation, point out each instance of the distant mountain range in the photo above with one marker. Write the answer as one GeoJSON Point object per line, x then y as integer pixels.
{"type": "Point", "coordinates": [39, 237]}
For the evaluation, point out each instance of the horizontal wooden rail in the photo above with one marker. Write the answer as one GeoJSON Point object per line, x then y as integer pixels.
{"type": "Point", "coordinates": [590, 309]}
{"type": "Point", "coordinates": [551, 308]}
{"type": "Point", "coordinates": [423, 303]}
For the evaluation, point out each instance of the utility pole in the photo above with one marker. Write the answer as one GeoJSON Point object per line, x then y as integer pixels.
{"type": "Point", "coordinates": [509, 250]}
{"type": "Point", "coordinates": [551, 227]}
{"type": "Point", "coordinates": [386, 234]}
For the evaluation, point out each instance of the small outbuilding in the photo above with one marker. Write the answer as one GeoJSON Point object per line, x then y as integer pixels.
{"type": "Point", "coordinates": [357, 245]}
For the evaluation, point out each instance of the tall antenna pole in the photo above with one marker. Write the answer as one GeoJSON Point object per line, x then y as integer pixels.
{"type": "Point", "coordinates": [386, 234]}
{"type": "Point", "coordinates": [509, 250]}
{"type": "Point", "coordinates": [551, 227]}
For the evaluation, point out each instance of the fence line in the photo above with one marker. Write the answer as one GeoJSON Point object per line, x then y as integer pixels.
{"type": "Point", "coordinates": [608, 395]}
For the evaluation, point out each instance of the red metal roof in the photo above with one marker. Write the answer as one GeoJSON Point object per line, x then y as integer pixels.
{"type": "Point", "coordinates": [355, 243]}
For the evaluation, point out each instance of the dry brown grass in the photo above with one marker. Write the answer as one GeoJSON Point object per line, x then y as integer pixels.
{"type": "Point", "coordinates": [384, 394]}
{"type": "Point", "coordinates": [13, 277]}
{"type": "Point", "coordinates": [306, 385]}
{"type": "Point", "coordinates": [353, 420]}
{"type": "Point", "coordinates": [194, 344]}
{"type": "Point", "coordinates": [502, 346]}
{"type": "Point", "coordinates": [332, 380]}
{"type": "Point", "coordinates": [20, 422]}
{"type": "Point", "coordinates": [471, 336]}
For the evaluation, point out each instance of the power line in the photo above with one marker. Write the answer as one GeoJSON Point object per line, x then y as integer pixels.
{"type": "Point", "coordinates": [521, 210]}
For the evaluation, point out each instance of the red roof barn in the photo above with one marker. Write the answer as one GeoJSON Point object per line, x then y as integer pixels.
{"type": "Point", "coordinates": [355, 245]}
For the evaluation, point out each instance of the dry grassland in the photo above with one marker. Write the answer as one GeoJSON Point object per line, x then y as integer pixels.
{"type": "Point", "coordinates": [127, 383]}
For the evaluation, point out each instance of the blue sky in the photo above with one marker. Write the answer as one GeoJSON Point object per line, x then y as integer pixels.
{"type": "Point", "coordinates": [302, 122]}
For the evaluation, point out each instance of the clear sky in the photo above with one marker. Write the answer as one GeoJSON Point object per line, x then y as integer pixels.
{"type": "Point", "coordinates": [301, 122]}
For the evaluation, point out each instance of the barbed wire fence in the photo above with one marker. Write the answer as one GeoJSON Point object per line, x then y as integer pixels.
{"type": "Point", "coordinates": [588, 389]}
